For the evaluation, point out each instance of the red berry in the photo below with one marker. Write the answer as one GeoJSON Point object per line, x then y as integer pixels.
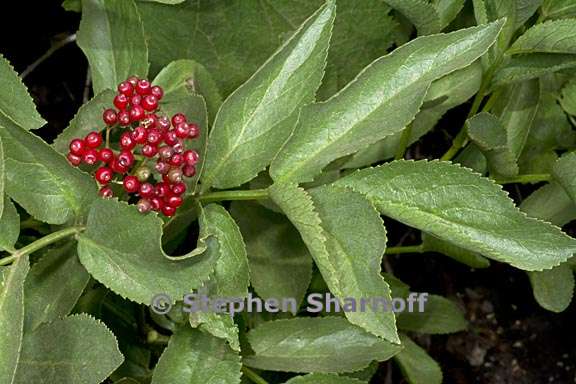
{"type": "Point", "coordinates": [75, 160]}
{"type": "Point", "coordinates": [176, 160]}
{"type": "Point", "coordinates": [178, 147]}
{"type": "Point", "coordinates": [149, 150]}
{"type": "Point", "coordinates": [136, 100]}
{"type": "Point", "coordinates": [125, 159]}
{"type": "Point", "coordinates": [103, 175]}
{"type": "Point", "coordinates": [143, 173]}
{"type": "Point", "coordinates": [105, 155]}
{"type": "Point", "coordinates": [144, 206]}
{"type": "Point", "coordinates": [143, 87]}
{"type": "Point", "coordinates": [163, 123]}
{"type": "Point", "coordinates": [178, 118]}
{"type": "Point", "coordinates": [162, 190]}
{"type": "Point", "coordinates": [137, 113]}
{"type": "Point", "coordinates": [126, 141]}
{"type": "Point", "coordinates": [90, 156]}
{"type": "Point", "coordinates": [77, 147]}
{"type": "Point", "coordinates": [154, 136]}
{"type": "Point", "coordinates": [125, 88]}
{"type": "Point", "coordinates": [139, 135]}
{"type": "Point", "coordinates": [165, 152]}
{"type": "Point", "coordinates": [162, 167]}
{"type": "Point", "coordinates": [191, 157]}
{"type": "Point", "coordinates": [150, 121]}
{"type": "Point", "coordinates": [178, 188]}
{"type": "Point", "coordinates": [117, 167]}
{"type": "Point", "coordinates": [150, 103]}
{"type": "Point", "coordinates": [194, 131]}
{"type": "Point", "coordinates": [174, 201]}
{"type": "Point", "coordinates": [146, 190]}
{"type": "Point", "coordinates": [170, 138]}
{"type": "Point", "coordinates": [106, 192]}
{"type": "Point", "coordinates": [175, 175]}
{"type": "Point", "coordinates": [189, 170]}
{"type": "Point", "coordinates": [93, 139]}
{"type": "Point", "coordinates": [182, 130]}
{"type": "Point", "coordinates": [131, 184]}
{"type": "Point", "coordinates": [109, 116]}
{"type": "Point", "coordinates": [124, 118]}
{"type": "Point", "coordinates": [156, 203]}
{"type": "Point", "coordinates": [168, 211]}
{"type": "Point", "coordinates": [121, 101]}
{"type": "Point", "coordinates": [157, 91]}
{"type": "Point", "coordinates": [133, 80]}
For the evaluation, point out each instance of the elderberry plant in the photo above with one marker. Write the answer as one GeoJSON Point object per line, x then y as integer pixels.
{"type": "Point", "coordinates": [273, 143]}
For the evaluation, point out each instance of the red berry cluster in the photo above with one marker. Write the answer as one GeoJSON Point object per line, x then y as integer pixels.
{"type": "Point", "coordinates": [149, 135]}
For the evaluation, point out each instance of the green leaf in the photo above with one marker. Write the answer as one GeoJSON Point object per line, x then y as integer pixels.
{"type": "Point", "coordinates": [121, 249]}
{"type": "Point", "coordinates": [15, 101]}
{"type": "Point", "coordinates": [525, 9]}
{"type": "Point", "coordinates": [553, 289]}
{"type": "Point", "coordinates": [487, 11]}
{"type": "Point", "coordinates": [72, 5]}
{"type": "Point", "coordinates": [11, 317]}
{"type": "Point", "coordinates": [280, 264]}
{"type": "Point", "coordinates": [551, 131]}
{"type": "Point", "coordinates": [78, 349]}
{"type": "Point", "coordinates": [112, 38]}
{"type": "Point", "coordinates": [9, 225]}
{"type": "Point", "coordinates": [9, 218]}
{"type": "Point", "coordinates": [193, 357]}
{"type": "Point", "coordinates": [87, 119]}
{"type": "Point", "coordinates": [41, 180]}
{"type": "Point", "coordinates": [219, 325]}
{"type": "Point", "coordinates": [258, 117]}
{"type": "Point", "coordinates": [517, 113]}
{"type": "Point", "coordinates": [564, 172]}
{"type": "Point", "coordinates": [352, 48]}
{"type": "Point", "coordinates": [420, 13]}
{"type": "Point", "coordinates": [448, 10]}
{"type": "Point", "coordinates": [444, 94]}
{"type": "Point", "coordinates": [558, 36]}
{"type": "Point", "coordinates": [53, 286]}
{"type": "Point", "coordinates": [324, 378]}
{"type": "Point", "coordinates": [457, 205]}
{"type": "Point", "coordinates": [550, 203]}
{"type": "Point", "coordinates": [171, 2]}
{"type": "Point", "coordinates": [321, 344]}
{"type": "Point", "coordinates": [194, 77]}
{"type": "Point", "coordinates": [231, 275]}
{"type": "Point", "coordinates": [440, 316]}
{"type": "Point", "coordinates": [490, 136]}
{"type": "Point", "coordinates": [347, 239]}
{"type": "Point", "coordinates": [472, 259]}
{"type": "Point", "coordinates": [557, 9]}
{"type": "Point", "coordinates": [568, 100]}
{"type": "Point", "coordinates": [416, 365]}
{"type": "Point", "coordinates": [526, 67]}
{"type": "Point", "coordinates": [382, 100]}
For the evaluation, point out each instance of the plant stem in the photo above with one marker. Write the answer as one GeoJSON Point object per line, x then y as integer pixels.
{"type": "Point", "coordinates": [49, 52]}
{"type": "Point", "coordinates": [41, 243]}
{"type": "Point", "coordinates": [405, 249]}
{"type": "Point", "coordinates": [252, 194]}
{"type": "Point", "coordinates": [404, 139]}
{"type": "Point", "coordinates": [525, 179]}
{"type": "Point", "coordinates": [253, 376]}
{"type": "Point", "coordinates": [461, 138]}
